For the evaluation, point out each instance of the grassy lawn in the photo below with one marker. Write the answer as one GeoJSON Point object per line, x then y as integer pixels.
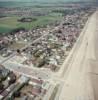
{"type": "Point", "coordinates": [9, 23]}
{"type": "Point", "coordinates": [16, 46]}
{"type": "Point", "coordinates": [4, 29]}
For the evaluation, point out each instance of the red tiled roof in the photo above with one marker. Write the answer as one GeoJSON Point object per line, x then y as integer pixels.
{"type": "Point", "coordinates": [36, 91]}
{"type": "Point", "coordinates": [37, 81]}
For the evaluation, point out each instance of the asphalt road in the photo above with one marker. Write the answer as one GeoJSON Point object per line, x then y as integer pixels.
{"type": "Point", "coordinates": [80, 73]}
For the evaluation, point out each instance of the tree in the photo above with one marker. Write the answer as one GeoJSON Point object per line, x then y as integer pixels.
{"type": "Point", "coordinates": [1, 86]}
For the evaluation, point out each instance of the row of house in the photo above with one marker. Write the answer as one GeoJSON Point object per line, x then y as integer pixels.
{"type": "Point", "coordinates": [10, 42]}
{"type": "Point", "coordinates": [51, 50]}
{"type": "Point", "coordinates": [15, 86]}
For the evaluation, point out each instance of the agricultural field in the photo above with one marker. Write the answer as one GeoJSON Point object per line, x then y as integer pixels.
{"type": "Point", "coordinates": [9, 23]}
{"type": "Point", "coordinates": [11, 12]}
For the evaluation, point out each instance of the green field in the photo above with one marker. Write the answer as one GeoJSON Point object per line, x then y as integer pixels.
{"type": "Point", "coordinates": [9, 23]}
{"type": "Point", "coordinates": [9, 20]}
